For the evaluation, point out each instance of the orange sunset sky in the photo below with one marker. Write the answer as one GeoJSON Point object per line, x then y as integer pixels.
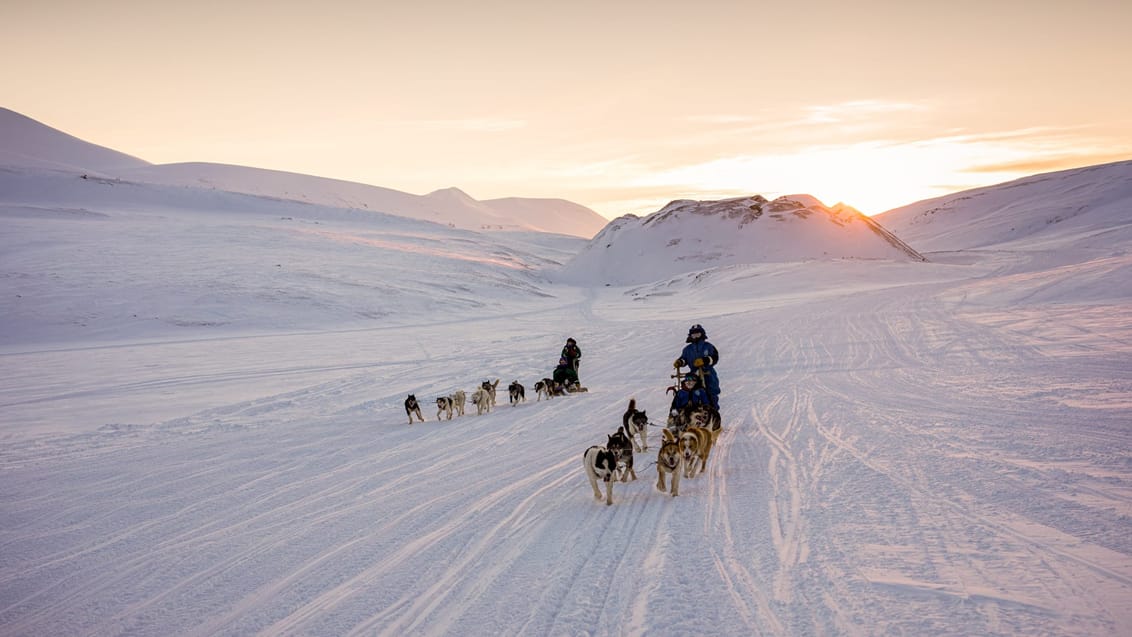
{"type": "Point", "coordinates": [619, 106]}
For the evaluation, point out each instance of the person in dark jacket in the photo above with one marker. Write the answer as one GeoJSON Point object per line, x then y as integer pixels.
{"type": "Point", "coordinates": [702, 357]}
{"type": "Point", "coordinates": [565, 376]}
{"type": "Point", "coordinates": [572, 353]}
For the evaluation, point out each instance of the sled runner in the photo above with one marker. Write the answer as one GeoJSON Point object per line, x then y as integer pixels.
{"type": "Point", "coordinates": [566, 390]}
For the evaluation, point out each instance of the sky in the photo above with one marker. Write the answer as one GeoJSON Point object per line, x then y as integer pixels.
{"type": "Point", "coordinates": [621, 107]}
{"type": "Point", "coordinates": [202, 429]}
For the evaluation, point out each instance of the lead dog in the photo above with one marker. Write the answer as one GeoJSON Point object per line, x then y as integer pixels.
{"type": "Point", "coordinates": [482, 400]}
{"type": "Point", "coordinates": [413, 407]}
{"type": "Point", "coordinates": [621, 445]}
{"type": "Point", "coordinates": [517, 392]}
{"type": "Point", "coordinates": [600, 462]}
{"type": "Point", "coordinates": [636, 423]}
{"type": "Point", "coordinates": [669, 462]}
{"type": "Point", "coordinates": [544, 387]}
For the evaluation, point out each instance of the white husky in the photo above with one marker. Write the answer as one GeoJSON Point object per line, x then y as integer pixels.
{"type": "Point", "coordinates": [482, 400]}
{"type": "Point", "coordinates": [458, 399]}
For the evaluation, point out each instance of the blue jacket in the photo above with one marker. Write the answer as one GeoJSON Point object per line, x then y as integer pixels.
{"type": "Point", "coordinates": [705, 350]}
{"type": "Point", "coordinates": [684, 397]}
{"type": "Point", "coordinates": [700, 349]}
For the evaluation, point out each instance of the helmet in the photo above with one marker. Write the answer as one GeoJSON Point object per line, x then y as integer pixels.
{"type": "Point", "coordinates": [691, 378]}
{"type": "Point", "coordinates": [696, 329]}
{"type": "Point", "coordinates": [571, 341]}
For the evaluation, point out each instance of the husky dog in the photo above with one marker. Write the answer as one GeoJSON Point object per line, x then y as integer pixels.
{"type": "Point", "coordinates": [413, 407]}
{"type": "Point", "coordinates": [695, 445]}
{"type": "Point", "coordinates": [489, 387]}
{"type": "Point", "coordinates": [459, 398]}
{"type": "Point", "coordinates": [482, 400]}
{"type": "Point", "coordinates": [669, 462]}
{"type": "Point", "coordinates": [544, 387]}
{"type": "Point", "coordinates": [600, 462]}
{"type": "Point", "coordinates": [695, 416]}
{"type": "Point", "coordinates": [444, 405]}
{"type": "Point", "coordinates": [636, 423]}
{"type": "Point", "coordinates": [517, 392]}
{"type": "Point", "coordinates": [705, 416]}
{"type": "Point", "coordinates": [677, 420]}
{"type": "Point", "coordinates": [622, 446]}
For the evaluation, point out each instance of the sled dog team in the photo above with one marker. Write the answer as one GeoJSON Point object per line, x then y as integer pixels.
{"type": "Point", "coordinates": [693, 418]}
{"type": "Point", "coordinates": [684, 451]}
{"type": "Point", "coordinates": [453, 404]}
{"type": "Point", "coordinates": [484, 398]}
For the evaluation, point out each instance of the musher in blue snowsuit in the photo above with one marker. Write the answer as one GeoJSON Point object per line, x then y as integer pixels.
{"type": "Point", "coordinates": [701, 355]}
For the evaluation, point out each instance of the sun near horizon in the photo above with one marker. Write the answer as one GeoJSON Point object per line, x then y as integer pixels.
{"type": "Point", "coordinates": [619, 107]}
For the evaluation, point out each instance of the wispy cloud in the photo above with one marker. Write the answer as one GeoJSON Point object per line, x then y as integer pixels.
{"type": "Point", "coordinates": [881, 174]}
{"type": "Point", "coordinates": [1030, 166]}
{"type": "Point", "coordinates": [857, 110]}
{"type": "Point", "coordinates": [473, 124]}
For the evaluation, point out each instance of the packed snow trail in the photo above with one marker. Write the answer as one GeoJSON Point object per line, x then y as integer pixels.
{"type": "Point", "coordinates": [892, 462]}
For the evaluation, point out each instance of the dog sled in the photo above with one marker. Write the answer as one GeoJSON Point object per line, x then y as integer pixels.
{"type": "Point", "coordinates": [691, 405]}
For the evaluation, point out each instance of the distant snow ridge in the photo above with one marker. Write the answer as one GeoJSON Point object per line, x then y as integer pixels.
{"type": "Point", "coordinates": [1079, 207]}
{"type": "Point", "coordinates": [688, 235]}
{"type": "Point", "coordinates": [28, 147]}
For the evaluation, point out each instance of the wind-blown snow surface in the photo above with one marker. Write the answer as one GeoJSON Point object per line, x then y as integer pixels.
{"type": "Point", "coordinates": [203, 434]}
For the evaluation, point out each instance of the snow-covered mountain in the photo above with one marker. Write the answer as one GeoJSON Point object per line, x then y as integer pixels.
{"type": "Point", "coordinates": [25, 143]}
{"type": "Point", "coordinates": [1057, 210]}
{"type": "Point", "coordinates": [693, 235]}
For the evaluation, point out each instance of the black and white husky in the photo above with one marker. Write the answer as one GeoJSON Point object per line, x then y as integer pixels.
{"type": "Point", "coordinates": [412, 407]}
{"type": "Point", "coordinates": [544, 388]}
{"type": "Point", "coordinates": [444, 405]}
{"type": "Point", "coordinates": [622, 446]}
{"type": "Point", "coordinates": [600, 462]}
{"type": "Point", "coordinates": [636, 423]}
{"type": "Point", "coordinates": [517, 392]}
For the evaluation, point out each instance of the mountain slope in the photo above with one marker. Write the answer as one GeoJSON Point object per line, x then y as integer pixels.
{"type": "Point", "coordinates": [693, 235]}
{"type": "Point", "coordinates": [26, 142]}
{"type": "Point", "coordinates": [1049, 210]}
{"type": "Point", "coordinates": [29, 145]}
{"type": "Point", "coordinates": [551, 215]}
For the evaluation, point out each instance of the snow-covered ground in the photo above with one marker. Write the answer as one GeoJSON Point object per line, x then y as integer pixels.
{"type": "Point", "coordinates": [203, 433]}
